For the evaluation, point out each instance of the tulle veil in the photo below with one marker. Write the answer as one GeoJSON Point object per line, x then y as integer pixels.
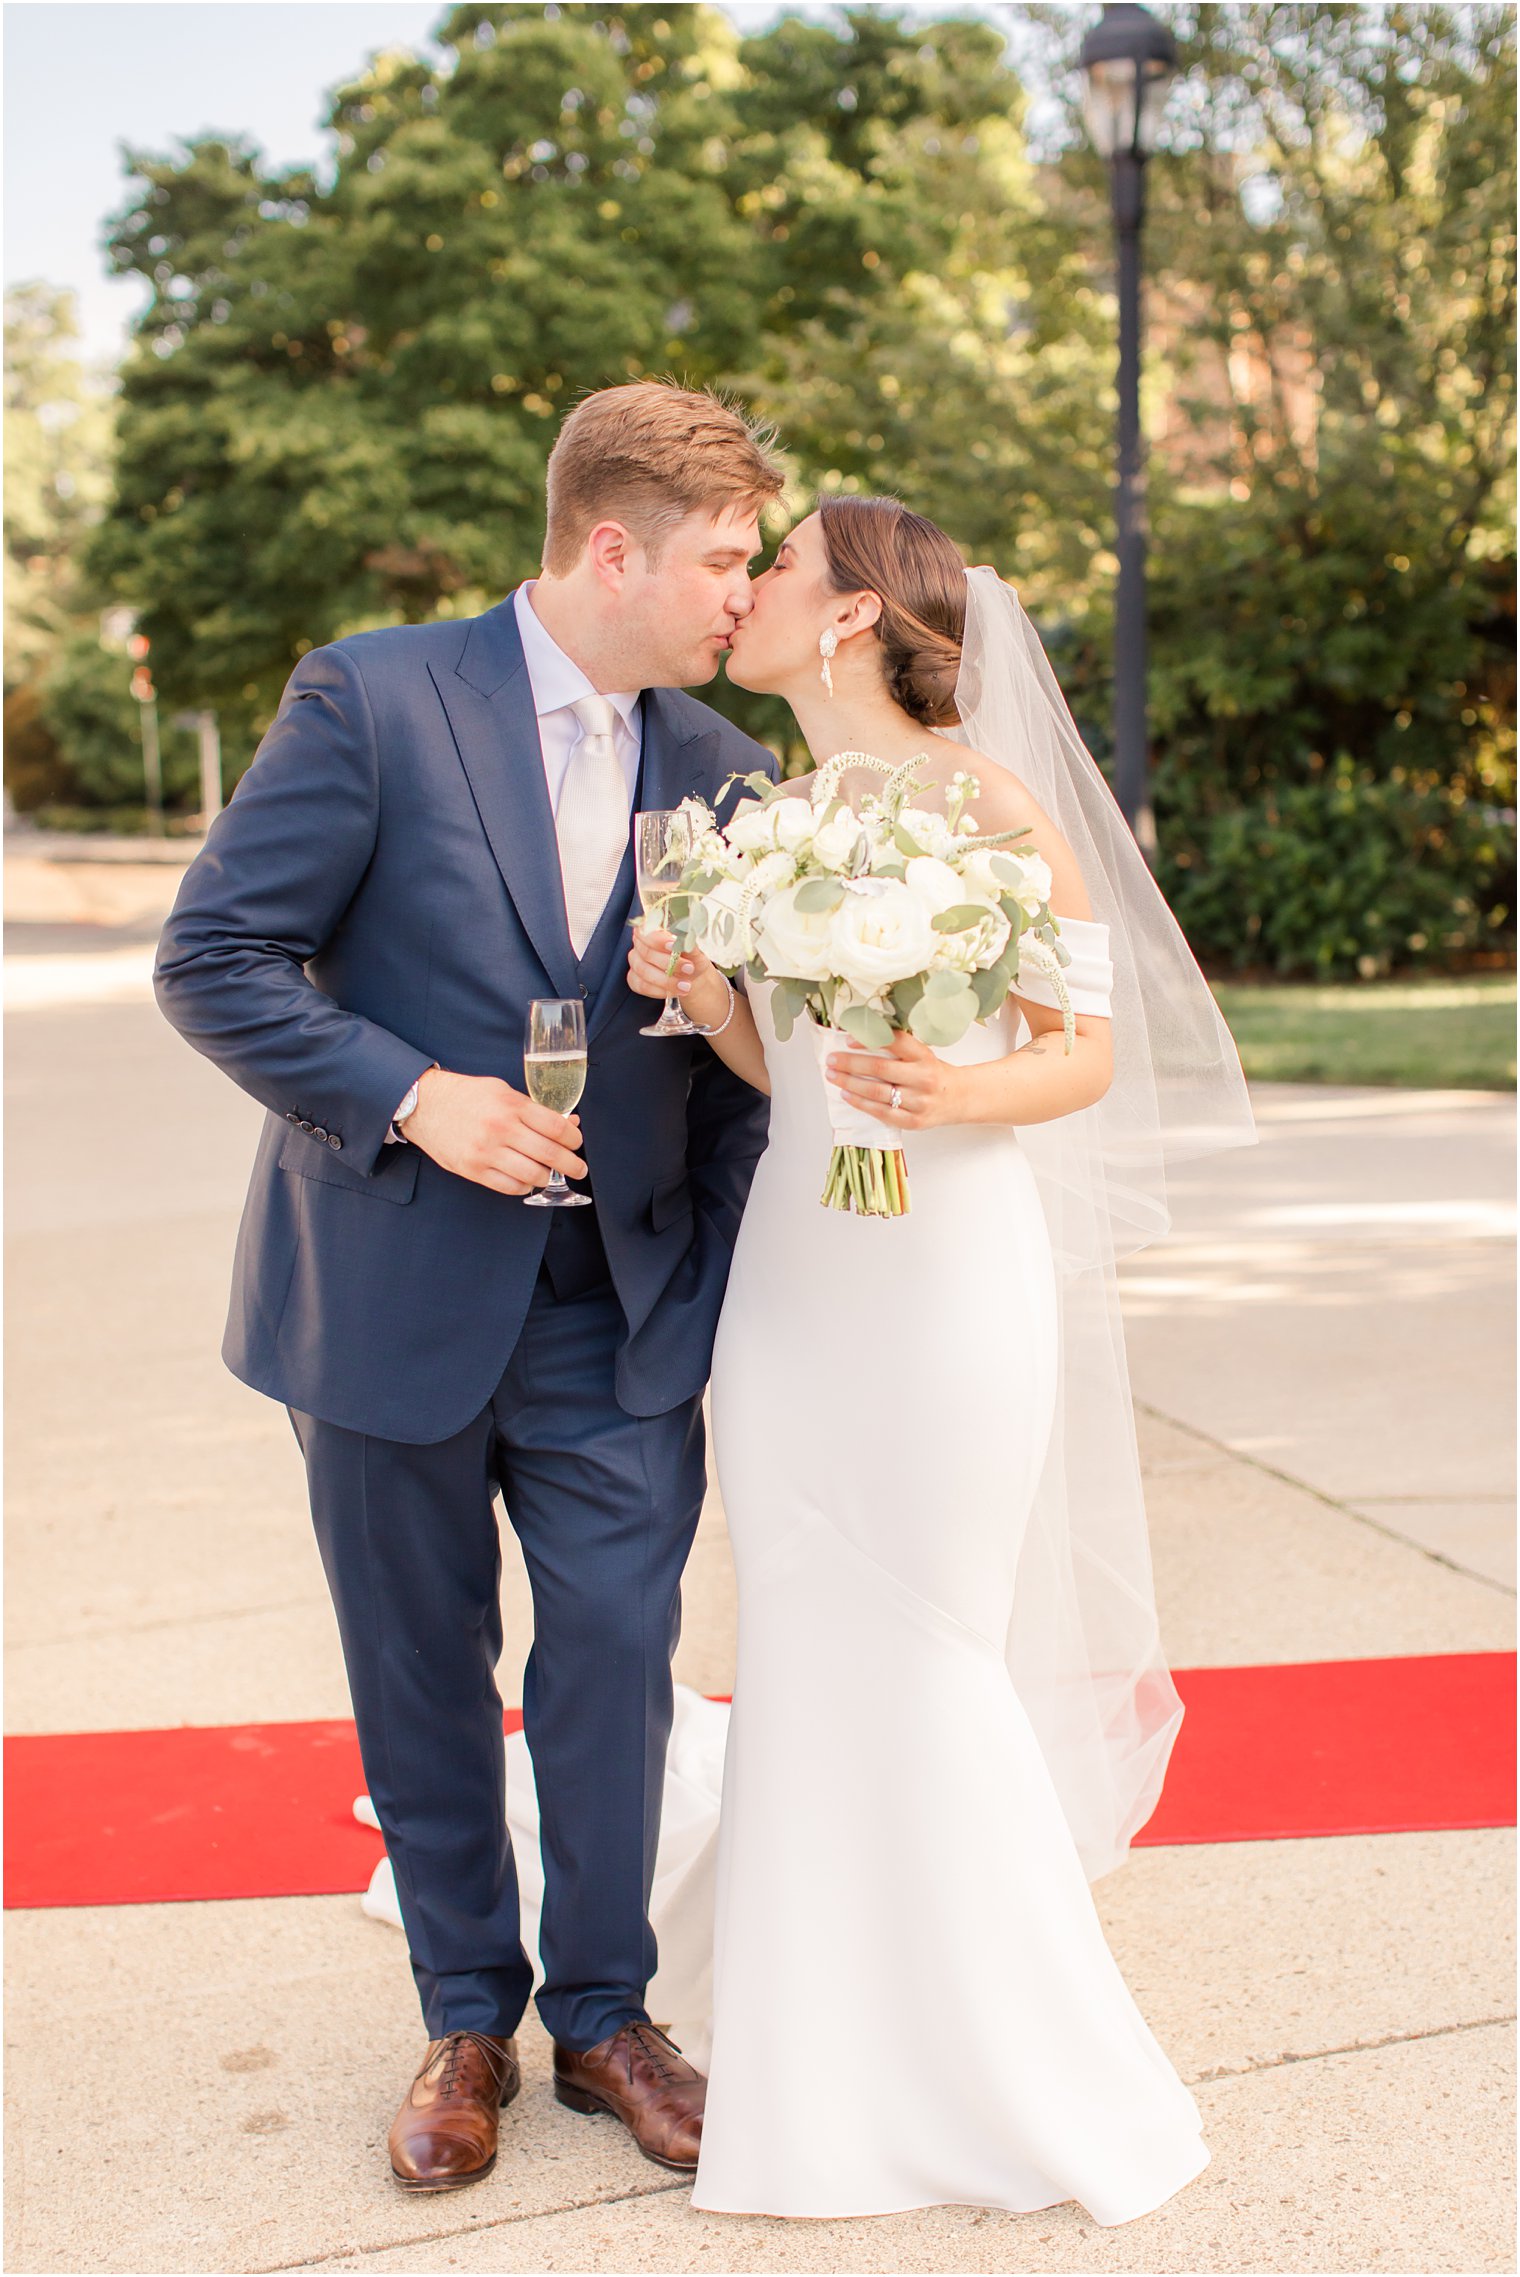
{"type": "Point", "coordinates": [1084, 1647]}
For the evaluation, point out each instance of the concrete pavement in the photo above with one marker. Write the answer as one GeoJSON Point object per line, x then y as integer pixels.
{"type": "Point", "coordinates": [1320, 1360]}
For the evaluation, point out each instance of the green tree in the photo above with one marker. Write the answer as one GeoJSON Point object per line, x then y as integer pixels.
{"type": "Point", "coordinates": [58, 424]}
{"type": "Point", "coordinates": [58, 440]}
{"type": "Point", "coordinates": [344, 389]}
{"type": "Point", "coordinates": [1331, 600]}
{"type": "Point", "coordinates": [343, 394]}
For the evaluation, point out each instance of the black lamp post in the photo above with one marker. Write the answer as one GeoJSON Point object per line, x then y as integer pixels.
{"type": "Point", "coordinates": [1129, 61]}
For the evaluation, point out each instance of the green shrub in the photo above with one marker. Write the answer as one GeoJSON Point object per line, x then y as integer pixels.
{"type": "Point", "coordinates": [35, 769]}
{"type": "Point", "coordinates": [1352, 875]}
{"type": "Point", "coordinates": [89, 711]}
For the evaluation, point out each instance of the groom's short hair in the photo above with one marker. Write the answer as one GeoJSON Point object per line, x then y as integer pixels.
{"type": "Point", "coordinates": [647, 455]}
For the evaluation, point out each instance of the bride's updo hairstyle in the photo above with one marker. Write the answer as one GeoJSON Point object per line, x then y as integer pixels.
{"type": "Point", "coordinates": [876, 545]}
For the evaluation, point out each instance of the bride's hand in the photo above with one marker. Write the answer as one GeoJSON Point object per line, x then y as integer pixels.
{"type": "Point", "coordinates": [926, 1086]}
{"type": "Point", "coordinates": [696, 979]}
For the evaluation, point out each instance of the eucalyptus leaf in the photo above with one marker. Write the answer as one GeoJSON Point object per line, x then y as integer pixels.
{"type": "Point", "coordinates": [943, 985]}
{"type": "Point", "coordinates": [939, 1021]}
{"type": "Point", "coordinates": [1009, 872]}
{"type": "Point", "coordinates": [961, 919]}
{"type": "Point", "coordinates": [905, 995]}
{"type": "Point", "coordinates": [818, 895]}
{"type": "Point", "coordinates": [991, 987]}
{"type": "Point", "coordinates": [781, 1015]}
{"type": "Point", "coordinates": [866, 1025]}
{"type": "Point", "coordinates": [905, 844]}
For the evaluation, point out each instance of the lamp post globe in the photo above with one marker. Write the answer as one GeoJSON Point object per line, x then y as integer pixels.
{"type": "Point", "coordinates": [1128, 62]}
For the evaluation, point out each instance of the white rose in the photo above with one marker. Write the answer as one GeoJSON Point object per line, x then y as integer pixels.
{"type": "Point", "coordinates": [980, 880]}
{"type": "Point", "coordinates": [930, 833]}
{"type": "Point", "coordinates": [882, 935]}
{"type": "Point", "coordinates": [842, 844]}
{"type": "Point", "coordinates": [935, 883]}
{"type": "Point", "coordinates": [1034, 889]}
{"type": "Point", "coordinates": [721, 927]}
{"type": "Point", "coordinates": [791, 823]}
{"type": "Point", "coordinates": [752, 831]}
{"type": "Point", "coordinates": [793, 943]}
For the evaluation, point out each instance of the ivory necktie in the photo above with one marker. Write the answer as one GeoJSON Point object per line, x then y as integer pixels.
{"type": "Point", "coordinates": [592, 819]}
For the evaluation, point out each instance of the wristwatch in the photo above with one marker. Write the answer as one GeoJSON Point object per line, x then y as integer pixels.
{"type": "Point", "coordinates": [407, 1106]}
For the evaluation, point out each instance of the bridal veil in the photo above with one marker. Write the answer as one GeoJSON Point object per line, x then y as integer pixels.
{"type": "Point", "coordinates": [1084, 1648]}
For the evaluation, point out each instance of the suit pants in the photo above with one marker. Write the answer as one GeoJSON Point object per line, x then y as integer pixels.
{"type": "Point", "coordinates": [604, 1505]}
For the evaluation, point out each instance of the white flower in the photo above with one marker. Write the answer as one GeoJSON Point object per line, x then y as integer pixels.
{"type": "Point", "coordinates": [935, 883]}
{"type": "Point", "coordinates": [791, 823]}
{"type": "Point", "coordinates": [792, 943]}
{"type": "Point", "coordinates": [930, 833]}
{"type": "Point", "coordinates": [771, 872]}
{"type": "Point", "coordinates": [843, 844]}
{"type": "Point", "coordinates": [693, 819]}
{"type": "Point", "coordinates": [979, 880]}
{"type": "Point", "coordinates": [752, 830]}
{"type": "Point", "coordinates": [978, 947]}
{"type": "Point", "coordinates": [1034, 890]}
{"type": "Point", "coordinates": [882, 934]}
{"type": "Point", "coordinates": [720, 927]}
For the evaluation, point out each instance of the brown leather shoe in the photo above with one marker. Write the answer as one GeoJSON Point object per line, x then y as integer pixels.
{"type": "Point", "coordinates": [642, 2078]}
{"type": "Point", "coordinates": [444, 2135]}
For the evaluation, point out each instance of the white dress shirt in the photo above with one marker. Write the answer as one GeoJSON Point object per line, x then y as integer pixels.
{"type": "Point", "coordinates": [557, 683]}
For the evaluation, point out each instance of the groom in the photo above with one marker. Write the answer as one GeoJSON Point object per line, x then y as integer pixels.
{"type": "Point", "coordinates": [435, 830]}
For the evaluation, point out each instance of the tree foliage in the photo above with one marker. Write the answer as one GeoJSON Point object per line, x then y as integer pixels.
{"type": "Point", "coordinates": [1332, 601]}
{"type": "Point", "coordinates": [345, 386]}
{"type": "Point", "coordinates": [343, 394]}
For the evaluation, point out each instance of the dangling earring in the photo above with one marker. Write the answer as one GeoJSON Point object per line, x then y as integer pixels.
{"type": "Point", "coordinates": [828, 641]}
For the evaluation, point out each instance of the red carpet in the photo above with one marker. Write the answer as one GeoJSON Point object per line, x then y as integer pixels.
{"type": "Point", "coordinates": [266, 1810]}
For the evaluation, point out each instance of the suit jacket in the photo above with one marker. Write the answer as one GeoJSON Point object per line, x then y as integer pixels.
{"type": "Point", "coordinates": [383, 891]}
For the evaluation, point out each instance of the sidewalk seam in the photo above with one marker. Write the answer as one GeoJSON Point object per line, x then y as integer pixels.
{"type": "Point", "coordinates": [667, 2189]}
{"type": "Point", "coordinates": [481, 2228]}
{"type": "Point", "coordinates": [1350, 2048]}
{"type": "Point", "coordinates": [1330, 1501]}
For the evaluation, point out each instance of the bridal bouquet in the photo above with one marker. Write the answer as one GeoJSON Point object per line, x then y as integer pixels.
{"type": "Point", "coordinates": [868, 919]}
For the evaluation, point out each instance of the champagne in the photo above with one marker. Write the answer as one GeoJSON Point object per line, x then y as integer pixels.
{"type": "Point", "coordinates": [555, 1079]}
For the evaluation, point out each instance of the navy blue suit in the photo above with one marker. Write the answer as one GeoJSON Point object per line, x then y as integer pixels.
{"type": "Point", "coordinates": [383, 892]}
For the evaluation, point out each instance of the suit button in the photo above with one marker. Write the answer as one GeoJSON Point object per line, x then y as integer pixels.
{"type": "Point", "coordinates": [308, 1126]}
{"type": "Point", "coordinates": [291, 1116]}
{"type": "Point", "coordinates": [334, 1142]}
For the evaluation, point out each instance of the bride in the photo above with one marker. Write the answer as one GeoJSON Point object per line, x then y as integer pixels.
{"type": "Point", "coordinates": [951, 1711]}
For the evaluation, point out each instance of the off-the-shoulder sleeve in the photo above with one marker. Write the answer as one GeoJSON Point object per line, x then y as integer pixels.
{"type": "Point", "coordinates": [1089, 977]}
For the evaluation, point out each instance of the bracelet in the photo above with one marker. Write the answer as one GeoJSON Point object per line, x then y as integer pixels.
{"type": "Point", "coordinates": [733, 998]}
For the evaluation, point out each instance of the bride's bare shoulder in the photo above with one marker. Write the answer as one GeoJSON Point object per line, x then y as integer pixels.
{"type": "Point", "coordinates": [1004, 803]}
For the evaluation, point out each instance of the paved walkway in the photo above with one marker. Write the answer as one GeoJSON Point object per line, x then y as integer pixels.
{"type": "Point", "coordinates": [1321, 1360]}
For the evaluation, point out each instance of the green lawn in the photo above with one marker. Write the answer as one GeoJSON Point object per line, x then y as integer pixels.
{"type": "Point", "coordinates": [1438, 1034]}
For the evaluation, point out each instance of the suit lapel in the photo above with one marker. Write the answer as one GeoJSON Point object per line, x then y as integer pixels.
{"type": "Point", "coordinates": [489, 703]}
{"type": "Point", "coordinates": [672, 764]}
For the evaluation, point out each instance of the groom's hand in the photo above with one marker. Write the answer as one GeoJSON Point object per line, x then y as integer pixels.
{"type": "Point", "coordinates": [483, 1130]}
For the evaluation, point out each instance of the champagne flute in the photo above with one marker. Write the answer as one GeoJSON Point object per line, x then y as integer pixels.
{"type": "Point", "coordinates": [554, 1070]}
{"type": "Point", "coordinates": [662, 848]}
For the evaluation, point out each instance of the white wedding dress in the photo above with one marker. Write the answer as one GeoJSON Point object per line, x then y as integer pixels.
{"type": "Point", "coordinates": [885, 1951]}
{"type": "Point", "coordinates": [913, 2000]}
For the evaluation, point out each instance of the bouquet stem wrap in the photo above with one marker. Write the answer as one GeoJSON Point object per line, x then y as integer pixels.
{"type": "Point", "coordinates": [867, 1170]}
